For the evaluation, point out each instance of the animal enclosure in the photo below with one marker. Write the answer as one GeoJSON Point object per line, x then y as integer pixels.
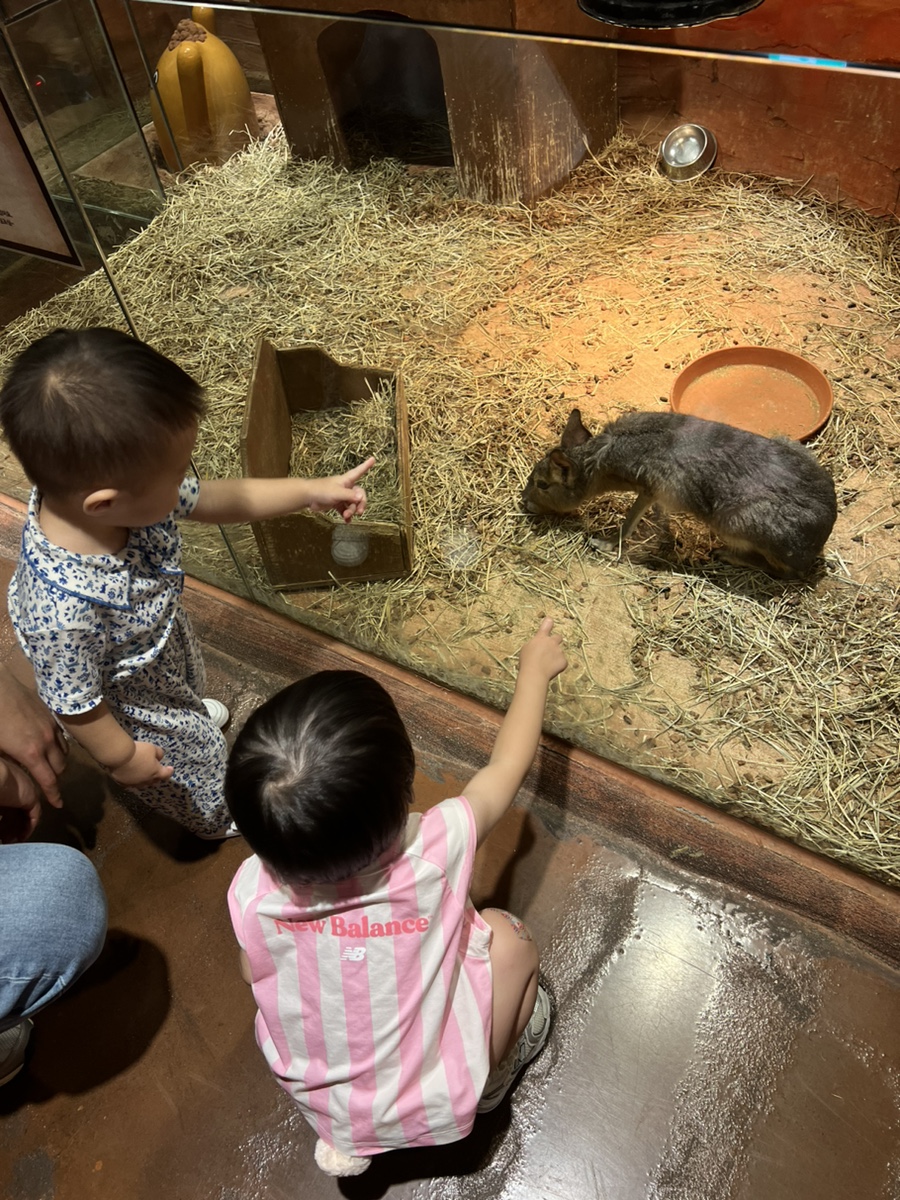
{"type": "Point", "coordinates": [775, 700]}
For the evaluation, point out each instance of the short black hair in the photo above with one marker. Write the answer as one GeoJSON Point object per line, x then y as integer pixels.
{"type": "Point", "coordinates": [80, 408]}
{"type": "Point", "coordinates": [320, 778]}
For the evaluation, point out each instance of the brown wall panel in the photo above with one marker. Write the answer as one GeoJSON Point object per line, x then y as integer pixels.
{"type": "Point", "coordinates": [840, 132]}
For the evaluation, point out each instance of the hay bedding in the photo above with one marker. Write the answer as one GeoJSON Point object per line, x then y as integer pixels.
{"type": "Point", "coordinates": [777, 702]}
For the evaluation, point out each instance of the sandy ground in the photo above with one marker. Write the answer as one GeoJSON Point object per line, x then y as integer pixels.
{"type": "Point", "coordinates": [776, 701]}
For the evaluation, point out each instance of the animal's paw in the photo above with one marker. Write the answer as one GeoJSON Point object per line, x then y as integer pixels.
{"type": "Point", "coordinates": [603, 545]}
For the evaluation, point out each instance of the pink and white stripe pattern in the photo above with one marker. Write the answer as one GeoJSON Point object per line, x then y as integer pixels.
{"type": "Point", "coordinates": [374, 994]}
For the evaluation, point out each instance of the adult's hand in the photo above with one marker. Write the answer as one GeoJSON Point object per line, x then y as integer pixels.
{"type": "Point", "coordinates": [20, 803]}
{"type": "Point", "coordinates": [30, 735]}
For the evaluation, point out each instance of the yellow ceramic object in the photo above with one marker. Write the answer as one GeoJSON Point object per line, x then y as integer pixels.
{"type": "Point", "coordinates": [205, 17]}
{"type": "Point", "coordinates": [205, 96]}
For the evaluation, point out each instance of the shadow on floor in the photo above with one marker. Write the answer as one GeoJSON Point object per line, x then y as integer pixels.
{"type": "Point", "coordinates": [100, 1028]}
{"type": "Point", "coordinates": [705, 1046]}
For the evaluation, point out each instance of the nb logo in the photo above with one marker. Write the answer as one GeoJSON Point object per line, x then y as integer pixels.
{"type": "Point", "coordinates": [353, 953]}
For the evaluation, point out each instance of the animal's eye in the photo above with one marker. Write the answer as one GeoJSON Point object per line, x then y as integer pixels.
{"type": "Point", "coordinates": [543, 485]}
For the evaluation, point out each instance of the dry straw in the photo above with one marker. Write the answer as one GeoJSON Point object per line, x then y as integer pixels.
{"type": "Point", "coordinates": [778, 703]}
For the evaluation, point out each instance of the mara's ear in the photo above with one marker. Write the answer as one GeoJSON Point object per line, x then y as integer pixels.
{"type": "Point", "coordinates": [560, 465]}
{"type": "Point", "coordinates": [575, 433]}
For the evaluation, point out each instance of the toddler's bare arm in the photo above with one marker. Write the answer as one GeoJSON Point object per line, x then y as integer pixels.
{"type": "Point", "coordinates": [131, 763]}
{"type": "Point", "coordinates": [494, 788]}
{"type": "Point", "coordinates": [225, 501]}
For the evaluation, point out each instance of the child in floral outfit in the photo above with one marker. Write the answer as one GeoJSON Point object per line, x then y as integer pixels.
{"type": "Point", "coordinates": [104, 427]}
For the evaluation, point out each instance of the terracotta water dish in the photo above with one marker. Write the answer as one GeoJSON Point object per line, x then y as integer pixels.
{"type": "Point", "coordinates": [768, 391]}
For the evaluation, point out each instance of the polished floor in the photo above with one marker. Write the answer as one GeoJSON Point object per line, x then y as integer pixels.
{"type": "Point", "coordinates": [707, 1045]}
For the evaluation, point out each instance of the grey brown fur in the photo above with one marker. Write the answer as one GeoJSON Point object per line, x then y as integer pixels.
{"type": "Point", "coordinates": [768, 499]}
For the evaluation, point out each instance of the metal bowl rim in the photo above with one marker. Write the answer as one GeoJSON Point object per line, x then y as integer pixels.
{"type": "Point", "coordinates": [682, 172]}
{"type": "Point", "coordinates": [709, 142]}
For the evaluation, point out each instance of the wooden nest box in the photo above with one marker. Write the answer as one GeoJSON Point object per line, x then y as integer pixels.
{"type": "Point", "coordinates": [306, 550]}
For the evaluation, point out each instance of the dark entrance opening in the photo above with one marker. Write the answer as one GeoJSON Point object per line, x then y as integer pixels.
{"type": "Point", "coordinates": [387, 88]}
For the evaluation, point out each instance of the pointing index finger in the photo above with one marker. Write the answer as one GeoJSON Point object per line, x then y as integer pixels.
{"type": "Point", "coordinates": [357, 473]}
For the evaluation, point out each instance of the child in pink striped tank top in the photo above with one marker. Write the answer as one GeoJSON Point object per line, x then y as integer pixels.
{"type": "Point", "coordinates": [388, 1007]}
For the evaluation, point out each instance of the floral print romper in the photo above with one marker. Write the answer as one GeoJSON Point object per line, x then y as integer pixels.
{"type": "Point", "coordinates": [111, 627]}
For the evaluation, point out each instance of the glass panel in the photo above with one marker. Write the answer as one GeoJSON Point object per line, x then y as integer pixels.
{"type": "Point", "coordinates": [65, 58]}
{"type": "Point", "coordinates": [64, 92]}
{"type": "Point", "coordinates": [848, 31]}
{"type": "Point", "coordinates": [482, 219]}
{"type": "Point", "coordinates": [26, 280]}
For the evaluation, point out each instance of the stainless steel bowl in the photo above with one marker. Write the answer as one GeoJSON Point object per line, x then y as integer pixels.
{"type": "Point", "coordinates": [687, 152]}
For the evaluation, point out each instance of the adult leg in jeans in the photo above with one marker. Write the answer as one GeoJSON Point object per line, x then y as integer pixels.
{"type": "Point", "coordinates": [52, 927]}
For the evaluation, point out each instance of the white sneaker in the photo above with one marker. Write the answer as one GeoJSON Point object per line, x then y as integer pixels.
{"type": "Point", "coordinates": [530, 1044]}
{"type": "Point", "coordinates": [230, 832]}
{"type": "Point", "coordinates": [335, 1162]}
{"type": "Point", "coordinates": [13, 1043]}
{"type": "Point", "coordinates": [217, 711]}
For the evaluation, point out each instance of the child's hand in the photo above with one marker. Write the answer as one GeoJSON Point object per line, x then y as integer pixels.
{"type": "Point", "coordinates": [341, 493]}
{"type": "Point", "coordinates": [144, 768]}
{"type": "Point", "coordinates": [544, 653]}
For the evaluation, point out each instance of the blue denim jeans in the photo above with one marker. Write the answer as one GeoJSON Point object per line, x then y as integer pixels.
{"type": "Point", "coordinates": [52, 924]}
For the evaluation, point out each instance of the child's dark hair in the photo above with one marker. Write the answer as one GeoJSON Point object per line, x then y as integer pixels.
{"type": "Point", "coordinates": [80, 408]}
{"type": "Point", "coordinates": [320, 778]}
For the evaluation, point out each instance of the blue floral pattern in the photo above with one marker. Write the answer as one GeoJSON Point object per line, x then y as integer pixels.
{"type": "Point", "coordinates": [112, 627]}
